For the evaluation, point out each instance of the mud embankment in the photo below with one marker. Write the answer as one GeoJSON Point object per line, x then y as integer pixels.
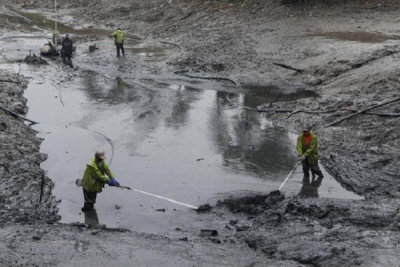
{"type": "Point", "coordinates": [25, 194]}
{"type": "Point", "coordinates": [360, 152]}
{"type": "Point", "coordinates": [315, 232]}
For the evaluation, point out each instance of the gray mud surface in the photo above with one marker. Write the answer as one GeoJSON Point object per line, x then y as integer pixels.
{"type": "Point", "coordinates": [346, 53]}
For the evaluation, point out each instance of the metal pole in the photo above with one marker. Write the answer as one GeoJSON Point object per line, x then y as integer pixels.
{"type": "Point", "coordinates": [55, 7]}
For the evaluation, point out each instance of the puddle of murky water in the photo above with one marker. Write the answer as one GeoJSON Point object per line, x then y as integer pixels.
{"type": "Point", "coordinates": [33, 22]}
{"type": "Point", "coordinates": [258, 95]}
{"type": "Point", "coordinates": [183, 143]}
{"type": "Point", "coordinates": [364, 37]}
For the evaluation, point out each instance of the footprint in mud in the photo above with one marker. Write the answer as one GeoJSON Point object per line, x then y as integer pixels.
{"type": "Point", "coordinates": [81, 246]}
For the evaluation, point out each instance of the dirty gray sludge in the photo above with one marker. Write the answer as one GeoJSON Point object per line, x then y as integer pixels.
{"type": "Point", "coordinates": [182, 141]}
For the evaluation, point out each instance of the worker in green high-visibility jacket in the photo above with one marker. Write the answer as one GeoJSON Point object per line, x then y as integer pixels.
{"type": "Point", "coordinates": [307, 152]}
{"type": "Point", "coordinates": [118, 36]}
{"type": "Point", "coordinates": [97, 174]}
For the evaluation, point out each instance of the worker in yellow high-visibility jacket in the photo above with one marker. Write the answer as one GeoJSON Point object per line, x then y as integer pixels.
{"type": "Point", "coordinates": [118, 36]}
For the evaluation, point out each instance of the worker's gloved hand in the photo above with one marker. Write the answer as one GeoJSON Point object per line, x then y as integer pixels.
{"type": "Point", "coordinates": [302, 157]}
{"type": "Point", "coordinates": [113, 182]}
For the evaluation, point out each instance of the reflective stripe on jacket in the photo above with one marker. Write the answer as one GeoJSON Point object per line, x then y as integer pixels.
{"type": "Point", "coordinates": [311, 153]}
{"type": "Point", "coordinates": [118, 37]}
{"type": "Point", "coordinates": [95, 177]}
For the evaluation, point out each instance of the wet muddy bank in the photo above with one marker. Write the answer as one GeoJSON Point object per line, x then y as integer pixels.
{"type": "Point", "coordinates": [315, 232]}
{"type": "Point", "coordinates": [26, 192]}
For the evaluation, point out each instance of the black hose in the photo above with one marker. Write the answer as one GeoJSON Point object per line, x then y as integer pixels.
{"type": "Point", "coordinates": [192, 76]}
{"type": "Point", "coordinates": [15, 115]}
{"type": "Point", "coordinates": [41, 188]}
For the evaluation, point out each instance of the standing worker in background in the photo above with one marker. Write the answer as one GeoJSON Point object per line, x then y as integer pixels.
{"type": "Point", "coordinates": [67, 47]}
{"type": "Point", "coordinates": [307, 152]}
{"type": "Point", "coordinates": [95, 178]}
{"type": "Point", "coordinates": [118, 36]}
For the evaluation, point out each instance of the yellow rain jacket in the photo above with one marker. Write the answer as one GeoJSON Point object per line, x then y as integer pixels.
{"type": "Point", "coordinates": [94, 177]}
{"type": "Point", "coordinates": [311, 153]}
{"type": "Point", "coordinates": [118, 37]}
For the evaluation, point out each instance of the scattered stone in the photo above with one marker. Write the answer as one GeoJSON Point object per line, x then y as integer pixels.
{"type": "Point", "coordinates": [93, 47]}
{"type": "Point", "coordinates": [208, 232]}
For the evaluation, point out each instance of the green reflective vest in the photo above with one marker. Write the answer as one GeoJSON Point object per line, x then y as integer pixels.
{"type": "Point", "coordinates": [118, 37]}
{"type": "Point", "coordinates": [311, 153]}
{"type": "Point", "coordinates": [95, 177]}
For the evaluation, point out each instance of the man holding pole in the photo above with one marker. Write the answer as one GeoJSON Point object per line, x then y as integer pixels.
{"type": "Point", "coordinates": [307, 152]}
{"type": "Point", "coordinates": [95, 178]}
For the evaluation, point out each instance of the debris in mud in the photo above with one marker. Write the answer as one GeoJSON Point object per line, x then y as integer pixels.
{"type": "Point", "coordinates": [34, 60]}
{"type": "Point", "coordinates": [252, 204]}
{"type": "Point", "coordinates": [208, 232]}
{"type": "Point", "coordinates": [161, 210]}
{"type": "Point", "coordinates": [93, 47]}
{"type": "Point", "coordinates": [204, 208]}
{"type": "Point", "coordinates": [36, 238]}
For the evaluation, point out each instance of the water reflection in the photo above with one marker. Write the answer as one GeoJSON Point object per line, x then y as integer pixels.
{"type": "Point", "coordinates": [182, 98]}
{"type": "Point", "coordinates": [245, 140]}
{"type": "Point", "coordinates": [258, 95]}
{"type": "Point", "coordinates": [92, 219]}
{"type": "Point", "coordinates": [310, 189]}
{"type": "Point", "coordinates": [108, 90]}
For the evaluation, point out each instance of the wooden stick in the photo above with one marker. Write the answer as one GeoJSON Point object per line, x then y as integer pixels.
{"type": "Point", "coordinates": [287, 67]}
{"type": "Point", "coordinates": [10, 81]}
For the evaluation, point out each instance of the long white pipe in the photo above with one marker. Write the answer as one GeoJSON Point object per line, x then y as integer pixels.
{"type": "Point", "coordinates": [294, 168]}
{"type": "Point", "coordinates": [78, 182]}
{"type": "Point", "coordinates": [168, 199]}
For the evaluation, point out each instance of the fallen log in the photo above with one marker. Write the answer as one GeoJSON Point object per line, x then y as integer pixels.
{"type": "Point", "coordinates": [326, 111]}
{"type": "Point", "coordinates": [287, 67]}
{"type": "Point", "coordinates": [10, 81]}
{"type": "Point", "coordinates": [211, 78]}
